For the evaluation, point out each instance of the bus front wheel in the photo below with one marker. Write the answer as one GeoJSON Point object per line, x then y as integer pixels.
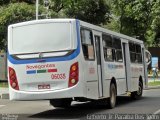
{"type": "Point", "coordinates": [112, 98]}
{"type": "Point", "coordinates": [64, 103]}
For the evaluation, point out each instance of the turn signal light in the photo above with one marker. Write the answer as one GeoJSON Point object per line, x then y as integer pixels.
{"type": "Point", "coordinates": [73, 75]}
{"type": "Point", "coordinates": [13, 79]}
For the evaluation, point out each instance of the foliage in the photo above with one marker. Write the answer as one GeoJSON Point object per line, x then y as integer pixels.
{"type": "Point", "coordinates": [3, 84]}
{"type": "Point", "coordinates": [131, 17]}
{"type": "Point", "coordinates": [92, 11]}
{"type": "Point", "coordinates": [137, 18]}
{"type": "Point", "coordinates": [155, 25]}
{"type": "Point", "coordinates": [134, 16]}
{"type": "Point", "coordinates": [4, 2]}
{"type": "Point", "coordinates": [14, 13]}
{"type": "Point", "coordinates": [113, 25]}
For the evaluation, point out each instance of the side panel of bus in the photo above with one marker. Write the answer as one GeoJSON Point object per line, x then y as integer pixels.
{"type": "Point", "coordinates": [134, 64]}
{"type": "Point", "coordinates": [114, 62]}
{"type": "Point", "coordinates": [137, 68]}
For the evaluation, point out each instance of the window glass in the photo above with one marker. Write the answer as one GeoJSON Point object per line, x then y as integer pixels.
{"type": "Point", "coordinates": [132, 47]}
{"type": "Point", "coordinates": [112, 48]}
{"type": "Point", "coordinates": [116, 43]}
{"type": "Point", "coordinates": [119, 57]}
{"type": "Point", "coordinates": [135, 53]}
{"type": "Point", "coordinates": [108, 40]}
{"type": "Point", "coordinates": [118, 49]}
{"type": "Point", "coordinates": [132, 57]}
{"type": "Point", "coordinates": [138, 58]}
{"type": "Point", "coordinates": [87, 44]}
{"type": "Point", "coordinates": [86, 36]}
{"type": "Point", "coordinates": [107, 48]}
{"type": "Point", "coordinates": [138, 49]}
{"type": "Point", "coordinates": [109, 56]}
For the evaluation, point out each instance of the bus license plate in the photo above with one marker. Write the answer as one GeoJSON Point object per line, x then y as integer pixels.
{"type": "Point", "coordinates": [44, 86]}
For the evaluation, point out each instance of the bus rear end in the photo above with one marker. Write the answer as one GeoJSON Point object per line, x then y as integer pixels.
{"type": "Point", "coordinates": [43, 60]}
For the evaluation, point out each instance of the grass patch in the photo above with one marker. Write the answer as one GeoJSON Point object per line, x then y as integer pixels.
{"type": "Point", "coordinates": [3, 84]}
{"type": "Point", "coordinates": [154, 83]}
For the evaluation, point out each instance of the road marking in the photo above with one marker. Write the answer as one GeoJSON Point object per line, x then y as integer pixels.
{"type": "Point", "coordinates": [2, 106]}
{"type": "Point", "coordinates": [157, 112]}
{"type": "Point", "coordinates": [154, 116]}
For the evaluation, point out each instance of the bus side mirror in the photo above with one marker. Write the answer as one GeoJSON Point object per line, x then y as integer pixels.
{"type": "Point", "coordinates": [148, 57]}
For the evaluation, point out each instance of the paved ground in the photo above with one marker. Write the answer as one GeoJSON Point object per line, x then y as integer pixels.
{"type": "Point", "coordinates": [35, 110]}
{"type": "Point", "coordinates": [41, 110]}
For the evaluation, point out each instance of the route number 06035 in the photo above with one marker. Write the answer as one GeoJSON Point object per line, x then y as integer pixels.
{"type": "Point", "coordinates": [58, 76]}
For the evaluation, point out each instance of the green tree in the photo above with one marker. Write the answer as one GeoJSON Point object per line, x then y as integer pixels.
{"type": "Point", "coordinates": [92, 11]}
{"type": "Point", "coordinates": [155, 25]}
{"type": "Point", "coordinates": [135, 16]}
{"type": "Point", "coordinates": [4, 2]}
{"type": "Point", "coordinates": [14, 13]}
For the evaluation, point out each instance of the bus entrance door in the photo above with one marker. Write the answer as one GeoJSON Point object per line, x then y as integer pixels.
{"type": "Point", "coordinates": [127, 65]}
{"type": "Point", "coordinates": [99, 65]}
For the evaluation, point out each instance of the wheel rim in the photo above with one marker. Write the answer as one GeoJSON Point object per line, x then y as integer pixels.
{"type": "Point", "coordinates": [113, 97]}
{"type": "Point", "coordinates": [139, 92]}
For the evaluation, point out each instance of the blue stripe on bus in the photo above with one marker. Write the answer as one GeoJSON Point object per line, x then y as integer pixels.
{"type": "Point", "coordinates": [31, 72]}
{"type": "Point", "coordinates": [64, 58]}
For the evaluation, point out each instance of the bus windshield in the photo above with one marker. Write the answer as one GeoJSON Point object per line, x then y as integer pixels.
{"type": "Point", "coordinates": [41, 37]}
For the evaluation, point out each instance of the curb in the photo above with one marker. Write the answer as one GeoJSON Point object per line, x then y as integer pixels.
{"type": "Point", "coordinates": [4, 93]}
{"type": "Point", "coordinates": [4, 96]}
{"type": "Point", "coordinates": [152, 87]}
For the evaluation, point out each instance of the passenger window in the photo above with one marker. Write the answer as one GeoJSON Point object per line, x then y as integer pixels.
{"type": "Point", "coordinates": [132, 52]}
{"type": "Point", "coordinates": [132, 47]}
{"type": "Point", "coordinates": [87, 44]}
{"type": "Point", "coordinates": [138, 54]}
{"type": "Point", "coordinates": [118, 49]}
{"type": "Point", "coordinates": [132, 57]}
{"type": "Point", "coordinates": [119, 57]}
{"type": "Point", "coordinates": [108, 40]}
{"type": "Point", "coordinates": [135, 53]}
{"type": "Point", "coordinates": [108, 48]}
{"type": "Point", "coordinates": [116, 43]}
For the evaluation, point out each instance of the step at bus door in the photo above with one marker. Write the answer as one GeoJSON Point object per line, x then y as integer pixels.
{"type": "Point", "coordinates": [99, 64]}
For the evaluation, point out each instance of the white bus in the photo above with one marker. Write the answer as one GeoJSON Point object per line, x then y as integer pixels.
{"type": "Point", "coordinates": [65, 60]}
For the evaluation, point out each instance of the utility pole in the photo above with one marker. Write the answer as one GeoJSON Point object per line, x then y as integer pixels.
{"type": "Point", "coordinates": [46, 5]}
{"type": "Point", "coordinates": [37, 4]}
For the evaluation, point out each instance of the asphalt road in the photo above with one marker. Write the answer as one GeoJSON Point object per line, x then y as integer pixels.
{"type": "Point", "coordinates": [41, 110]}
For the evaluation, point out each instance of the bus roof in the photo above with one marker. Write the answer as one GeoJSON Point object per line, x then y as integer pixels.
{"type": "Point", "coordinates": [85, 24]}
{"type": "Point", "coordinates": [105, 30]}
{"type": "Point", "coordinates": [41, 21]}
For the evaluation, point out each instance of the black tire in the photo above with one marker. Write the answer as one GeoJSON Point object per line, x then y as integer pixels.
{"type": "Point", "coordinates": [137, 94]}
{"type": "Point", "coordinates": [63, 103]}
{"type": "Point", "coordinates": [112, 98]}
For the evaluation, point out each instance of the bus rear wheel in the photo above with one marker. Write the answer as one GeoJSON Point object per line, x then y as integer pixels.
{"type": "Point", "coordinates": [64, 103]}
{"type": "Point", "coordinates": [112, 98]}
{"type": "Point", "coordinates": [137, 94]}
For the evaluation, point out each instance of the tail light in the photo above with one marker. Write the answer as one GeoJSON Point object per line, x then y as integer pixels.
{"type": "Point", "coordinates": [13, 79]}
{"type": "Point", "coordinates": [73, 75]}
